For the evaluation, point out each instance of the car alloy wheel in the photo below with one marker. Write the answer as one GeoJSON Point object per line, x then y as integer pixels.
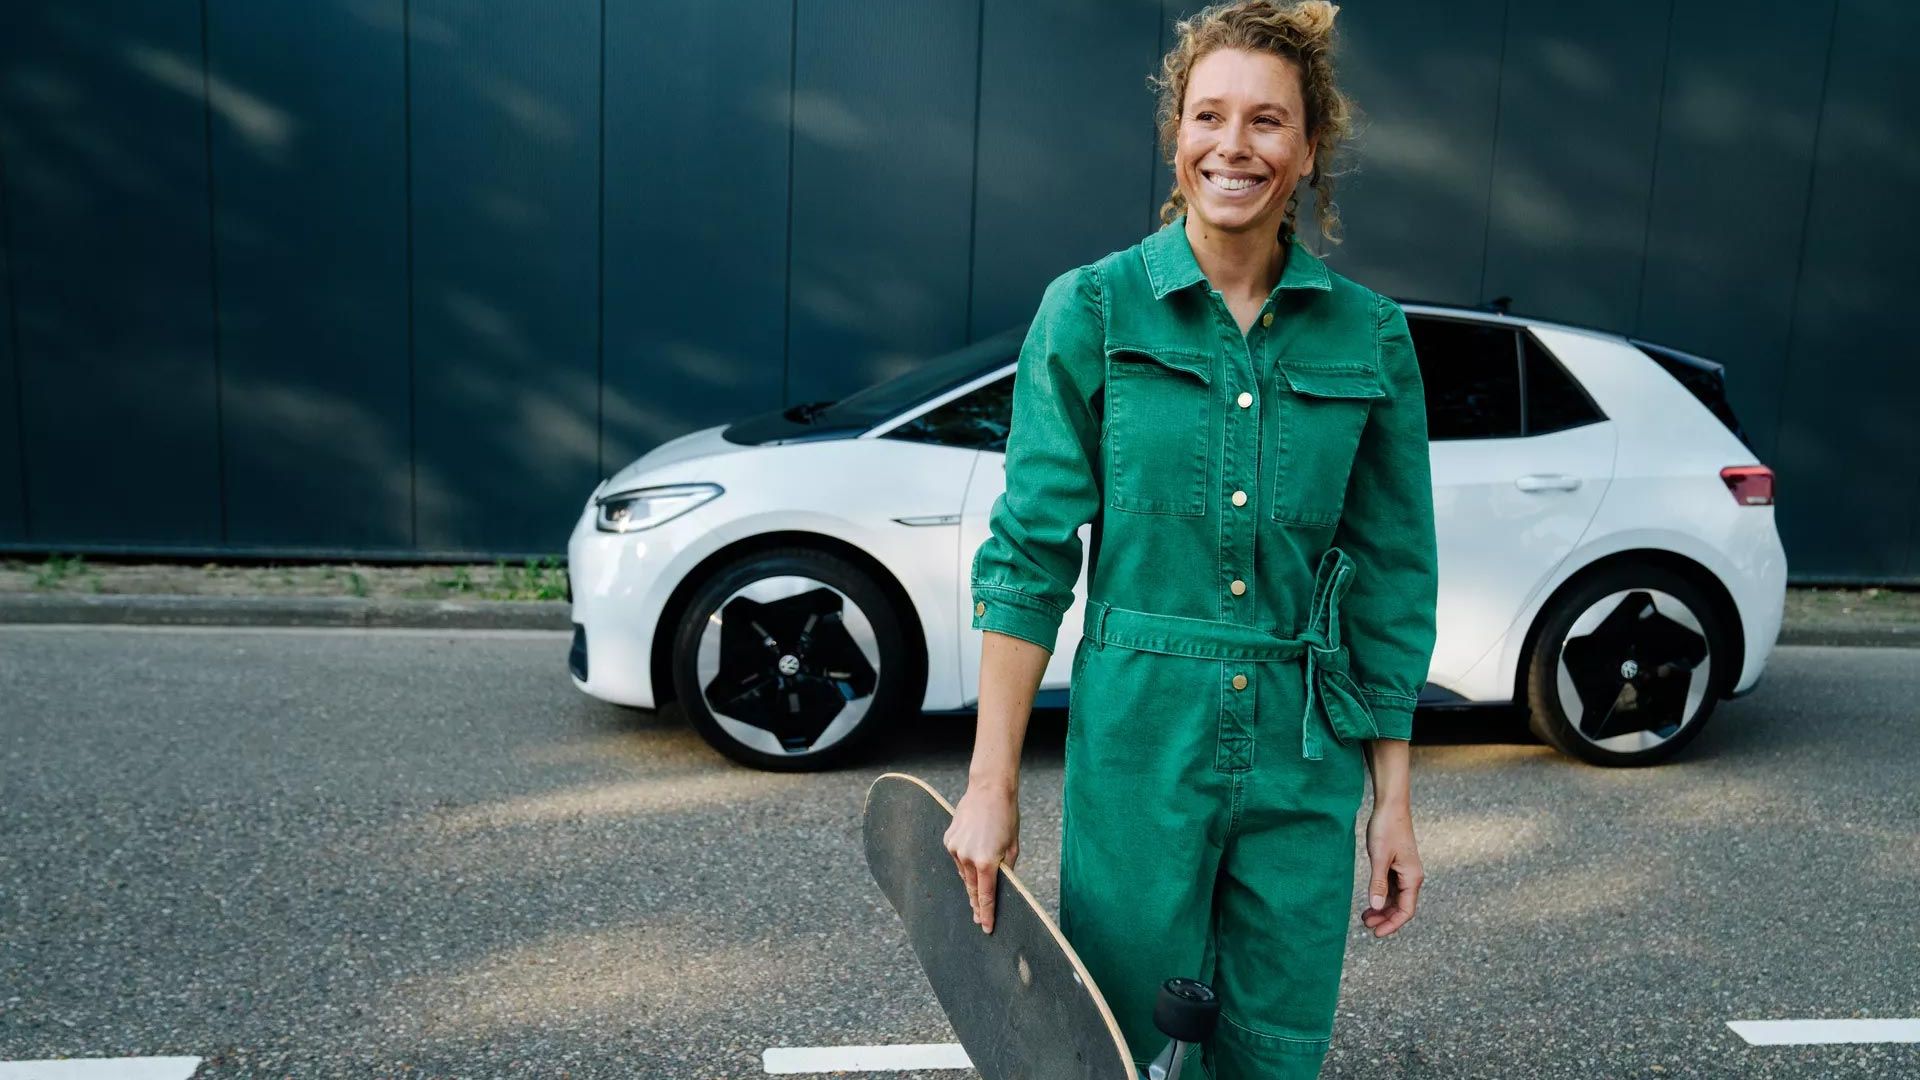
{"type": "Point", "coordinates": [1627, 666]}
{"type": "Point", "coordinates": [790, 658]}
{"type": "Point", "coordinates": [1633, 667]}
{"type": "Point", "coordinates": [788, 665]}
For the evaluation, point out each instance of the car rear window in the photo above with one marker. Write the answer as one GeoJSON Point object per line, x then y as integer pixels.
{"type": "Point", "coordinates": [1471, 374]}
{"type": "Point", "coordinates": [1555, 400]}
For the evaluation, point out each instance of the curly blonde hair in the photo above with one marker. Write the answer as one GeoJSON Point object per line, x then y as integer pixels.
{"type": "Point", "coordinates": [1301, 31]}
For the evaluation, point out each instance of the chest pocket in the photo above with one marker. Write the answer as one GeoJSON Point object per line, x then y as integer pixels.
{"type": "Point", "coordinates": [1322, 409]}
{"type": "Point", "coordinates": [1158, 429]}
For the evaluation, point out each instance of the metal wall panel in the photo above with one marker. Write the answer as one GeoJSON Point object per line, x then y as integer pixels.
{"type": "Point", "coordinates": [1047, 198]}
{"type": "Point", "coordinates": [1730, 190]}
{"type": "Point", "coordinates": [1426, 78]}
{"type": "Point", "coordinates": [103, 128]}
{"type": "Point", "coordinates": [697, 136]}
{"type": "Point", "coordinates": [506, 285]}
{"type": "Point", "coordinates": [421, 280]}
{"type": "Point", "coordinates": [13, 495]}
{"type": "Point", "coordinates": [1159, 173]}
{"type": "Point", "coordinates": [309, 175]}
{"type": "Point", "coordinates": [1579, 111]}
{"type": "Point", "coordinates": [882, 188]}
{"type": "Point", "coordinates": [1848, 439]}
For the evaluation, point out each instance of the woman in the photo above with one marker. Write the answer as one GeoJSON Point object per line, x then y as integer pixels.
{"type": "Point", "coordinates": [1246, 432]}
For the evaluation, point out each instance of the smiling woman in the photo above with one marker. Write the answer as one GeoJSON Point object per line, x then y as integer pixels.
{"type": "Point", "coordinates": [1245, 430]}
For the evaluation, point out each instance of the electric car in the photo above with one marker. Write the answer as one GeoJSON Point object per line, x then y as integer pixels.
{"type": "Point", "coordinates": [798, 580]}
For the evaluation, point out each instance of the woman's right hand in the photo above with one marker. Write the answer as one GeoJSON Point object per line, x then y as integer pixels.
{"type": "Point", "coordinates": [985, 832]}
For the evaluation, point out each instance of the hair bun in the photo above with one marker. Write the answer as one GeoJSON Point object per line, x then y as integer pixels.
{"type": "Point", "coordinates": [1316, 16]}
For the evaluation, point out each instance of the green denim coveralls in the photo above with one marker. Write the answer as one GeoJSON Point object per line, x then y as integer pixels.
{"type": "Point", "coordinates": [1262, 581]}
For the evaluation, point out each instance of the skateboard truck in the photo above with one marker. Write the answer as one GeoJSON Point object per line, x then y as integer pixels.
{"type": "Point", "coordinates": [1186, 1012]}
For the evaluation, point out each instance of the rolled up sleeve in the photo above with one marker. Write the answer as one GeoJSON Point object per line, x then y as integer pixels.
{"type": "Point", "coordinates": [1024, 572]}
{"type": "Point", "coordinates": [1388, 615]}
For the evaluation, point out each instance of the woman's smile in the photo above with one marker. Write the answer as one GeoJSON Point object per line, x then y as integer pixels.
{"type": "Point", "coordinates": [1233, 184]}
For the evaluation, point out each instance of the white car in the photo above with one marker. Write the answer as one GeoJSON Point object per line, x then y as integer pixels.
{"type": "Point", "coordinates": [797, 580]}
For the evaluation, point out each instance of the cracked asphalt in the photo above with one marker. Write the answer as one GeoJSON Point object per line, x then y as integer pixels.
{"type": "Point", "coordinates": [423, 853]}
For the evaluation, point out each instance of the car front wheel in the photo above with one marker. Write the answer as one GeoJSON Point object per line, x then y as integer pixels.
{"type": "Point", "coordinates": [790, 659]}
{"type": "Point", "coordinates": [1626, 667]}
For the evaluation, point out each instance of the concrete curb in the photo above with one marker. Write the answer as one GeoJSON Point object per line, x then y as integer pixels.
{"type": "Point", "coordinates": [316, 611]}
{"type": "Point", "coordinates": [1839, 633]}
{"type": "Point", "coordinates": [351, 611]}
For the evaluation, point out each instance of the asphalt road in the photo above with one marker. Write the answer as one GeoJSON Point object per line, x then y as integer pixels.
{"type": "Point", "coordinates": [413, 853]}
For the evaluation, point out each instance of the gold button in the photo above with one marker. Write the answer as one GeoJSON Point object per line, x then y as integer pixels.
{"type": "Point", "coordinates": [1239, 682]}
{"type": "Point", "coordinates": [1267, 319]}
{"type": "Point", "coordinates": [1238, 586]}
{"type": "Point", "coordinates": [1239, 498]}
{"type": "Point", "coordinates": [980, 608]}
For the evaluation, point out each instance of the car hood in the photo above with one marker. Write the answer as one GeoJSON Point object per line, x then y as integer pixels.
{"type": "Point", "coordinates": [764, 429]}
{"type": "Point", "coordinates": [704, 443]}
{"type": "Point", "coordinates": [775, 427]}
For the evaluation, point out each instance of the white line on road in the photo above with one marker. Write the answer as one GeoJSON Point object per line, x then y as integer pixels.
{"type": "Point", "coordinates": [1803, 1032]}
{"type": "Point", "coordinates": [898, 1058]}
{"type": "Point", "coordinates": [138, 1068]}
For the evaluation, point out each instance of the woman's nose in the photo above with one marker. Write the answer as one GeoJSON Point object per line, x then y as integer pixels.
{"type": "Point", "coordinates": [1233, 138]}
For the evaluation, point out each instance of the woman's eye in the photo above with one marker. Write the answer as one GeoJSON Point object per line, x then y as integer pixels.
{"type": "Point", "coordinates": [1212, 116]}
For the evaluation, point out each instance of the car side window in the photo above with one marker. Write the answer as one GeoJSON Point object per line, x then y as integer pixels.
{"type": "Point", "coordinates": [1555, 401]}
{"type": "Point", "coordinates": [1471, 373]}
{"type": "Point", "coordinates": [976, 420]}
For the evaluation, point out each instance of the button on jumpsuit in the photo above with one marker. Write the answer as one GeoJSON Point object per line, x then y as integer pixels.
{"type": "Point", "coordinates": [1262, 581]}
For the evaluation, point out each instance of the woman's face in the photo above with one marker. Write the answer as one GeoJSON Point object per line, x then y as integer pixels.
{"type": "Point", "coordinates": [1242, 143]}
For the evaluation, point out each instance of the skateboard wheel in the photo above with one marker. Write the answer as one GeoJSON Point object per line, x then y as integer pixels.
{"type": "Point", "coordinates": [1187, 1010]}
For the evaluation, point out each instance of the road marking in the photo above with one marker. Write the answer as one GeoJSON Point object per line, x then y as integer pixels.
{"type": "Point", "coordinates": [136, 1068]}
{"type": "Point", "coordinates": [1803, 1032]}
{"type": "Point", "coordinates": [899, 1058]}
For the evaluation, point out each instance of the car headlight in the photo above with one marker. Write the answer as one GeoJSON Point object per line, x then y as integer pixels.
{"type": "Point", "coordinates": [643, 508]}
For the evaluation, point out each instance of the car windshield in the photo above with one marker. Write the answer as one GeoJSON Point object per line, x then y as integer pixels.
{"type": "Point", "coordinates": [893, 396]}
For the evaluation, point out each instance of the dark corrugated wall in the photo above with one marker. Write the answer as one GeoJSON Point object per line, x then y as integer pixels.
{"type": "Point", "coordinates": [404, 278]}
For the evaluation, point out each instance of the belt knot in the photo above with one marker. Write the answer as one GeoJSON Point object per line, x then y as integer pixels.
{"type": "Point", "coordinates": [1331, 691]}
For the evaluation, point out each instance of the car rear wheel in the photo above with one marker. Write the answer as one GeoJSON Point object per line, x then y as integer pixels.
{"type": "Point", "coordinates": [1626, 667]}
{"type": "Point", "coordinates": [790, 659]}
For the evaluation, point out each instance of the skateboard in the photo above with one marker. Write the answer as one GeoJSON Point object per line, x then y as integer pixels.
{"type": "Point", "coordinates": [1020, 1001]}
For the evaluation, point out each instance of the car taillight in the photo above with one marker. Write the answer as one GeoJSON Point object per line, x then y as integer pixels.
{"type": "Point", "coordinates": [1752, 485]}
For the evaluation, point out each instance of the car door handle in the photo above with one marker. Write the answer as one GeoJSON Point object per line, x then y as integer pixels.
{"type": "Point", "coordinates": [1547, 482]}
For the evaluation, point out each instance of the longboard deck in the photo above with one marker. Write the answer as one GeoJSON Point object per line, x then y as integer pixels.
{"type": "Point", "coordinates": [1021, 1002]}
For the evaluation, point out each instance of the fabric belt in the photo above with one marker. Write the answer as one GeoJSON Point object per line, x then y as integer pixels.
{"type": "Point", "coordinates": [1332, 694]}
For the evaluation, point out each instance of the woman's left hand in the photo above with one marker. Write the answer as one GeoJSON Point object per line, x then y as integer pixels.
{"type": "Point", "coordinates": [1395, 887]}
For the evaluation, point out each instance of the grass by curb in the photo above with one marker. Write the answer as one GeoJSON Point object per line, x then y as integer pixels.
{"type": "Point", "coordinates": [533, 579]}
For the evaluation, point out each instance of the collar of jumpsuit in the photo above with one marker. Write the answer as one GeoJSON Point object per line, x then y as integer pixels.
{"type": "Point", "coordinates": [1254, 496]}
{"type": "Point", "coordinates": [1171, 265]}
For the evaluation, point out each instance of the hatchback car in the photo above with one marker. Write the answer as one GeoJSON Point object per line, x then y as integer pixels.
{"type": "Point", "coordinates": [798, 580]}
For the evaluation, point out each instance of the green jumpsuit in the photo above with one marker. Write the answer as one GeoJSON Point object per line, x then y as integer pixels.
{"type": "Point", "coordinates": [1261, 589]}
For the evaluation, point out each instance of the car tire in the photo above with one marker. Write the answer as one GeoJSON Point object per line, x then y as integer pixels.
{"type": "Point", "coordinates": [1627, 666]}
{"type": "Point", "coordinates": [790, 659]}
